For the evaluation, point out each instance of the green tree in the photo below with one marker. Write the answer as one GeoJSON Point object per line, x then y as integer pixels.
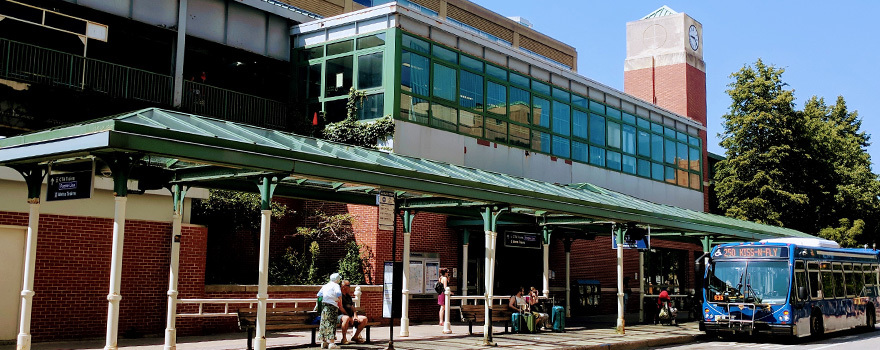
{"type": "Point", "coordinates": [764, 177]}
{"type": "Point", "coordinates": [353, 266]}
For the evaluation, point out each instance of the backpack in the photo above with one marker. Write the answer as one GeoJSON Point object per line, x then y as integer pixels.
{"type": "Point", "coordinates": [439, 288]}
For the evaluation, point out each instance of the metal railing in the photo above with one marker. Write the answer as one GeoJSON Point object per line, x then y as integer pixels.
{"type": "Point", "coordinates": [250, 302]}
{"type": "Point", "coordinates": [34, 64]}
{"type": "Point", "coordinates": [234, 106]}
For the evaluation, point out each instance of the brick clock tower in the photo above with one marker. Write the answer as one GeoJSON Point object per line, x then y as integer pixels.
{"type": "Point", "coordinates": [664, 65]}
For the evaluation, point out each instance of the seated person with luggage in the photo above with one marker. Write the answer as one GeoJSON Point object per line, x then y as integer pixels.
{"type": "Point", "coordinates": [348, 315]}
{"type": "Point", "coordinates": [665, 309]}
{"type": "Point", "coordinates": [543, 318]}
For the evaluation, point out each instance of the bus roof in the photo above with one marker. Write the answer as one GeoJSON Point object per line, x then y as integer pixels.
{"type": "Point", "coordinates": [804, 242]}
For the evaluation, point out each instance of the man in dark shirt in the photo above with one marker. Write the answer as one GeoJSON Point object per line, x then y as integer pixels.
{"type": "Point", "coordinates": [348, 315]}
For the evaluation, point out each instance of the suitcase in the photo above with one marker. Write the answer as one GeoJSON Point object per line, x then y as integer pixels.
{"type": "Point", "coordinates": [528, 320]}
{"type": "Point", "coordinates": [516, 322]}
{"type": "Point", "coordinates": [558, 318]}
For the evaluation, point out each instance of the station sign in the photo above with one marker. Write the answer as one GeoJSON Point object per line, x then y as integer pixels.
{"type": "Point", "coordinates": [522, 240]}
{"type": "Point", "coordinates": [385, 201]}
{"type": "Point", "coordinates": [72, 185]}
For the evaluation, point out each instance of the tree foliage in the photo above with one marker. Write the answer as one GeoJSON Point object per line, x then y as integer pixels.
{"type": "Point", "coordinates": [807, 170]}
{"type": "Point", "coordinates": [354, 265]}
{"type": "Point", "coordinates": [235, 210]}
{"type": "Point", "coordinates": [354, 132]}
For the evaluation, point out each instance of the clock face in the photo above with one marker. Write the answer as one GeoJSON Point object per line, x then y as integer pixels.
{"type": "Point", "coordinates": [694, 38]}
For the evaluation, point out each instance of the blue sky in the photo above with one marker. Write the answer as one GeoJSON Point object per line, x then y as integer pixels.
{"type": "Point", "coordinates": [827, 48]}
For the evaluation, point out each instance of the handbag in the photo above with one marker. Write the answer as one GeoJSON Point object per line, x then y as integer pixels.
{"type": "Point", "coordinates": [439, 288]}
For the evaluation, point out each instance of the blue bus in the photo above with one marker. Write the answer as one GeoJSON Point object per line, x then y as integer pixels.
{"type": "Point", "coordinates": [791, 286]}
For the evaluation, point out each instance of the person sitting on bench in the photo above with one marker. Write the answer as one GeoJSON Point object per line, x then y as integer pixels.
{"type": "Point", "coordinates": [348, 316]}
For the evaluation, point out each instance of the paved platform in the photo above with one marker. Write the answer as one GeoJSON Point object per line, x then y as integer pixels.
{"type": "Point", "coordinates": [581, 333]}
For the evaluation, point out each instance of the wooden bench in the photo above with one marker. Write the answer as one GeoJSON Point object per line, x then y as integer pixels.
{"type": "Point", "coordinates": [476, 314]}
{"type": "Point", "coordinates": [288, 319]}
{"type": "Point", "coordinates": [360, 311]}
{"type": "Point", "coordinates": [278, 319]}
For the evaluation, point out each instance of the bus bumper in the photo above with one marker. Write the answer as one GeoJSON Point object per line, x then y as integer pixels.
{"type": "Point", "coordinates": [759, 327]}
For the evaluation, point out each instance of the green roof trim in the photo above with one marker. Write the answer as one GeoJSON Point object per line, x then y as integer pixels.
{"type": "Point", "coordinates": [212, 152]}
{"type": "Point", "coordinates": [662, 11]}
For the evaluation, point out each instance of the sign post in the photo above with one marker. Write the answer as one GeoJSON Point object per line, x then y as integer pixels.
{"type": "Point", "coordinates": [385, 201]}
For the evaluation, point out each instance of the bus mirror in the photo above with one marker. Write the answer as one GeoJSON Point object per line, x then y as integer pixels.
{"type": "Point", "coordinates": [802, 293]}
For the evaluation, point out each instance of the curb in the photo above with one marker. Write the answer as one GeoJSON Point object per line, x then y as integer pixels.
{"type": "Point", "coordinates": [641, 344]}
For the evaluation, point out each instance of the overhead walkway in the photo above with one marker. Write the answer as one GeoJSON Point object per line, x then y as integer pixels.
{"type": "Point", "coordinates": [178, 151]}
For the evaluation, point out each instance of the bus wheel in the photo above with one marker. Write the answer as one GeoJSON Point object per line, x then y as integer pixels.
{"type": "Point", "coordinates": [817, 328]}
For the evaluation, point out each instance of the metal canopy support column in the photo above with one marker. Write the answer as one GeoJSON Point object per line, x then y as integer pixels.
{"type": "Point", "coordinates": [619, 230]}
{"type": "Point", "coordinates": [267, 188]}
{"type": "Point", "coordinates": [546, 285]}
{"type": "Point", "coordinates": [120, 165]}
{"type": "Point", "coordinates": [567, 243]}
{"type": "Point", "coordinates": [33, 176]}
{"type": "Point", "coordinates": [465, 239]}
{"type": "Point", "coordinates": [490, 220]}
{"type": "Point", "coordinates": [641, 286]}
{"type": "Point", "coordinates": [408, 217]}
{"type": "Point", "coordinates": [178, 194]}
{"type": "Point", "coordinates": [179, 52]}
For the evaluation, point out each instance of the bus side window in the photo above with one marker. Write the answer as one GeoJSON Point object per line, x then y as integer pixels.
{"type": "Point", "coordinates": [859, 283]}
{"type": "Point", "coordinates": [850, 280]}
{"type": "Point", "coordinates": [815, 283]}
{"type": "Point", "coordinates": [827, 281]}
{"type": "Point", "coordinates": [840, 283]}
{"type": "Point", "coordinates": [800, 279]}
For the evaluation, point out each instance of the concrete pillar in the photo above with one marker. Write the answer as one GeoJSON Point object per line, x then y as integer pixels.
{"type": "Point", "coordinates": [267, 187]}
{"type": "Point", "coordinates": [641, 286]}
{"type": "Point", "coordinates": [466, 236]}
{"type": "Point", "coordinates": [171, 318]}
{"type": "Point", "coordinates": [404, 302]}
{"type": "Point", "coordinates": [567, 243]}
{"type": "Point", "coordinates": [618, 235]}
{"type": "Point", "coordinates": [546, 260]}
{"type": "Point", "coordinates": [114, 296]}
{"type": "Point", "coordinates": [447, 329]}
{"type": "Point", "coordinates": [179, 50]}
{"type": "Point", "coordinates": [27, 290]}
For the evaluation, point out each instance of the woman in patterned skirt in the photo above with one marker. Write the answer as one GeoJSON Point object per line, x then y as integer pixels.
{"type": "Point", "coordinates": [330, 295]}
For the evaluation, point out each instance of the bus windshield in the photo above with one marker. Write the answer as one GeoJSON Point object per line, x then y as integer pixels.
{"type": "Point", "coordinates": [748, 281]}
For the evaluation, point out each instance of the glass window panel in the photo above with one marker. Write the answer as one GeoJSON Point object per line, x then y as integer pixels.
{"type": "Point", "coordinates": [580, 124]}
{"type": "Point", "coordinates": [561, 118]}
{"type": "Point", "coordinates": [629, 164]}
{"type": "Point", "coordinates": [694, 159]}
{"type": "Point", "coordinates": [540, 87]}
{"type": "Point", "coordinates": [496, 98]}
{"type": "Point", "coordinates": [613, 160]}
{"type": "Point", "coordinates": [612, 112]}
{"type": "Point", "coordinates": [338, 76]}
{"type": "Point", "coordinates": [495, 72]}
{"type": "Point", "coordinates": [681, 177]}
{"type": "Point", "coordinates": [541, 112]}
{"type": "Point", "coordinates": [519, 80]}
{"type": "Point", "coordinates": [371, 41]}
{"type": "Point", "coordinates": [628, 144]}
{"type": "Point", "coordinates": [414, 73]}
{"type": "Point", "coordinates": [443, 117]}
{"type": "Point", "coordinates": [682, 161]}
{"type": "Point", "coordinates": [669, 147]}
{"type": "Point", "coordinates": [496, 130]}
{"type": "Point", "coordinates": [340, 47]}
{"type": "Point", "coordinates": [560, 94]}
{"type": "Point", "coordinates": [580, 151]}
{"type": "Point", "coordinates": [445, 54]}
{"type": "Point", "coordinates": [370, 70]}
{"type": "Point", "coordinates": [695, 181]}
{"type": "Point", "coordinates": [578, 100]}
{"type": "Point", "coordinates": [629, 118]}
{"type": "Point", "coordinates": [372, 107]}
{"type": "Point", "coordinates": [414, 109]}
{"type": "Point", "coordinates": [656, 148]}
{"type": "Point", "coordinates": [561, 146]}
{"type": "Point", "coordinates": [681, 136]}
{"type": "Point", "coordinates": [694, 141]}
{"type": "Point", "coordinates": [335, 111]}
{"type": "Point", "coordinates": [540, 141]}
{"type": "Point", "coordinates": [520, 109]}
{"type": "Point", "coordinates": [314, 81]}
{"type": "Point", "coordinates": [597, 107]}
{"type": "Point", "coordinates": [613, 135]}
{"type": "Point", "coordinates": [597, 129]}
{"type": "Point", "coordinates": [417, 45]}
{"type": "Point", "coordinates": [657, 128]}
{"type": "Point", "coordinates": [644, 168]}
{"type": "Point", "coordinates": [669, 132]}
{"type": "Point", "coordinates": [470, 90]}
{"type": "Point", "coordinates": [311, 53]}
{"type": "Point", "coordinates": [519, 135]}
{"type": "Point", "coordinates": [643, 123]}
{"type": "Point", "coordinates": [597, 156]}
{"type": "Point", "coordinates": [471, 63]}
{"type": "Point", "coordinates": [657, 171]}
{"type": "Point", "coordinates": [444, 82]}
{"type": "Point", "coordinates": [644, 145]}
{"type": "Point", "coordinates": [670, 175]}
{"type": "Point", "coordinates": [470, 123]}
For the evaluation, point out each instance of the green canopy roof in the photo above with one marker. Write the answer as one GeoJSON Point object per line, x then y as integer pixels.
{"type": "Point", "coordinates": [211, 153]}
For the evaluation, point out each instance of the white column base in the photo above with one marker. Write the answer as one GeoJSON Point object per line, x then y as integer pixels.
{"type": "Point", "coordinates": [24, 342]}
{"type": "Point", "coordinates": [170, 339]}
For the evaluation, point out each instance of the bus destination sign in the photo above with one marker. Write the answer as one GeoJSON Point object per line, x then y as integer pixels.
{"type": "Point", "coordinates": [752, 252]}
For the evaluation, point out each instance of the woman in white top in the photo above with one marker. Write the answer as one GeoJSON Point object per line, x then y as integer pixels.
{"type": "Point", "coordinates": [330, 295]}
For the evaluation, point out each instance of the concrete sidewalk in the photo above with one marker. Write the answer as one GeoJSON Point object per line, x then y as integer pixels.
{"type": "Point", "coordinates": [581, 333]}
